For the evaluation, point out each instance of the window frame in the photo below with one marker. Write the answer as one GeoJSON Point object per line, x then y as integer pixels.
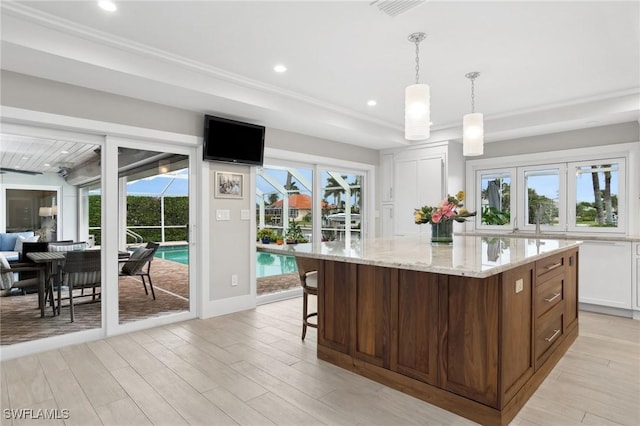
{"type": "Point", "coordinates": [622, 197]}
{"type": "Point", "coordinates": [478, 199]}
{"type": "Point", "coordinates": [522, 198]}
{"type": "Point", "coordinates": [629, 197]}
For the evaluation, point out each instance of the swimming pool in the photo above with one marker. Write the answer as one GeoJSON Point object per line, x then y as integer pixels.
{"type": "Point", "coordinates": [266, 264]}
{"type": "Point", "coordinates": [178, 254]}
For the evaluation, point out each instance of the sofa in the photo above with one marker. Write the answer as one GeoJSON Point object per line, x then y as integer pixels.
{"type": "Point", "coordinates": [11, 243]}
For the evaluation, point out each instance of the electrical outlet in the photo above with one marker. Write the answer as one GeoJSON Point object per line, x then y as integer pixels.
{"type": "Point", "coordinates": [234, 279]}
{"type": "Point", "coordinates": [519, 285]}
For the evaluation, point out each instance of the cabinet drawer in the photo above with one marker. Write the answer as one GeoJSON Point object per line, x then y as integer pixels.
{"type": "Point", "coordinates": [548, 333]}
{"type": "Point", "coordinates": [549, 294]}
{"type": "Point", "coordinates": [549, 266]}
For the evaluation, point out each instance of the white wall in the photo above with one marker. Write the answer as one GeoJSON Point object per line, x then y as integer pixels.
{"type": "Point", "coordinates": [229, 246]}
{"type": "Point", "coordinates": [583, 138]}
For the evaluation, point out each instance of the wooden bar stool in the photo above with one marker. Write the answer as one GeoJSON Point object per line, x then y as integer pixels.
{"type": "Point", "coordinates": [308, 271]}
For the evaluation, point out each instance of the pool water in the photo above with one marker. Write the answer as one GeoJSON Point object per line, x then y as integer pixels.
{"type": "Point", "coordinates": [178, 254]}
{"type": "Point", "coordinates": [266, 264]}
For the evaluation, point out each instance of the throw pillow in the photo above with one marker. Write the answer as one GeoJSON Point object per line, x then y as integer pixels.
{"type": "Point", "coordinates": [6, 278]}
{"type": "Point", "coordinates": [136, 261]}
{"type": "Point", "coordinates": [21, 239]}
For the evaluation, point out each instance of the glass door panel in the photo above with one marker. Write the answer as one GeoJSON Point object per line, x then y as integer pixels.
{"type": "Point", "coordinates": [342, 212]}
{"type": "Point", "coordinates": [284, 215]}
{"type": "Point", "coordinates": [42, 181]}
{"type": "Point", "coordinates": [153, 228]}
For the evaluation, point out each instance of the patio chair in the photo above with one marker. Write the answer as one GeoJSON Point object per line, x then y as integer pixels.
{"type": "Point", "coordinates": [139, 263]}
{"type": "Point", "coordinates": [29, 247]}
{"type": "Point", "coordinates": [8, 281]}
{"type": "Point", "coordinates": [82, 269]}
{"type": "Point", "coordinates": [308, 271]}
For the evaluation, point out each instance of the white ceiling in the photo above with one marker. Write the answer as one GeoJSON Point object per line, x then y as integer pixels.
{"type": "Point", "coordinates": [545, 66]}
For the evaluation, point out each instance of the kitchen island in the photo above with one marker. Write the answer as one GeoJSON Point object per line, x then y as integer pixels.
{"type": "Point", "coordinates": [473, 327]}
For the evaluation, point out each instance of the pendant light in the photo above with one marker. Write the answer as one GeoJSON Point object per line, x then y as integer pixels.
{"type": "Point", "coordinates": [416, 101]}
{"type": "Point", "coordinates": [472, 125]}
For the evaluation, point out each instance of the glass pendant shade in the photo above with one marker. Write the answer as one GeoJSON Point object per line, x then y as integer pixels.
{"type": "Point", "coordinates": [416, 112]}
{"type": "Point", "coordinates": [473, 134]}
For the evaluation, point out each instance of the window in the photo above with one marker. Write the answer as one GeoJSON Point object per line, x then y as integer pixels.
{"type": "Point", "coordinates": [586, 196]}
{"type": "Point", "coordinates": [595, 193]}
{"type": "Point", "coordinates": [543, 203]}
{"type": "Point", "coordinates": [495, 198]}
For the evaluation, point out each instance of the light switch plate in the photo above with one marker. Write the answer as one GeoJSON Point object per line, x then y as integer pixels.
{"type": "Point", "coordinates": [245, 214]}
{"type": "Point", "coordinates": [223, 214]}
{"type": "Point", "coordinates": [519, 285]}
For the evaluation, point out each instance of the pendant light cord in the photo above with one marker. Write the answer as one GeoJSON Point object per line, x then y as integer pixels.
{"type": "Point", "coordinates": [417, 60]}
{"type": "Point", "coordinates": [472, 76]}
{"type": "Point", "coordinates": [417, 38]}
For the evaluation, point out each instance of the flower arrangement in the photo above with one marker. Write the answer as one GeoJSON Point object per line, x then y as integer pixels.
{"type": "Point", "coordinates": [451, 208]}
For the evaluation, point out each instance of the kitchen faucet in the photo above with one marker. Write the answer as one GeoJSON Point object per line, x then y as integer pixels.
{"type": "Point", "coordinates": [539, 214]}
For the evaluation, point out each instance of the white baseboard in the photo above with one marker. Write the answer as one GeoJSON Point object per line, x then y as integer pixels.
{"type": "Point", "coordinates": [619, 312]}
{"type": "Point", "coordinates": [230, 305]}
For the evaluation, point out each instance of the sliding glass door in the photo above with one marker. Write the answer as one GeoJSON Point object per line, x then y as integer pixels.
{"type": "Point", "coordinates": [153, 232]}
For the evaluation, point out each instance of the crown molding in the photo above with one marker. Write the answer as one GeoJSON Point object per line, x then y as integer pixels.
{"type": "Point", "coordinates": [35, 16]}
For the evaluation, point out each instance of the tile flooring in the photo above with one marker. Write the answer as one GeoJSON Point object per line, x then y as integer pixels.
{"type": "Point", "coordinates": [252, 368]}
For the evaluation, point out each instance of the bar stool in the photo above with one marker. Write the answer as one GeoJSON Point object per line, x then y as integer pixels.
{"type": "Point", "coordinates": [308, 271]}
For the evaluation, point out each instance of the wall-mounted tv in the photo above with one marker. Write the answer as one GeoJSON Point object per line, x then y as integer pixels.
{"type": "Point", "coordinates": [232, 141]}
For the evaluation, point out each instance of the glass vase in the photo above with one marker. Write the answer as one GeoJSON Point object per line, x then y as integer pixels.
{"type": "Point", "coordinates": [442, 232]}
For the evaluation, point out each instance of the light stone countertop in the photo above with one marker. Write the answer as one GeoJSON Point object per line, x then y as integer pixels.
{"type": "Point", "coordinates": [472, 256]}
{"type": "Point", "coordinates": [555, 236]}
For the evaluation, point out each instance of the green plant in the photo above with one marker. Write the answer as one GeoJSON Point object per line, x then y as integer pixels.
{"type": "Point", "coordinates": [294, 232]}
{"type": "Point", "coordinates": [493, 216]}
{"type": "Point", "coordinates": [266, 233]}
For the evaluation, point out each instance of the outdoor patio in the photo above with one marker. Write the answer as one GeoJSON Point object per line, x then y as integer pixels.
{"type": "Point", "coordinates": [20, 317]}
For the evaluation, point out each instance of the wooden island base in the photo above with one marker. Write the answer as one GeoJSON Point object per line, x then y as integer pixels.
{"type": "Point", "coordinates": [478, 347]}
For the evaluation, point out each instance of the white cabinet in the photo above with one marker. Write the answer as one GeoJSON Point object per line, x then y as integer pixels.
{"type": "Point", "coordinates": [605, 269]}
{"type": "Point", "coordinates": [387, 220]}
{"type": "Point", "coordinates": [636, 280]}
{"type": "Point", "coordinates": [419, 182]}
{"type": "Point", "coordinates": [386, 172]}
{"type": "Point", "coordinates": [416, 176]}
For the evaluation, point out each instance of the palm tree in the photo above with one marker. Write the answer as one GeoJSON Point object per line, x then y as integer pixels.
{"type": "Point", "coordinates": [597, 195]}
{"type": "Point", "coordinates": [356, 191]}
{"type": "Point", "coordinates": [333, 188]}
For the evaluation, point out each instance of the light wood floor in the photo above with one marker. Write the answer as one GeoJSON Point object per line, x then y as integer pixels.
{"type": "Point", "coordinates": [252, 368]}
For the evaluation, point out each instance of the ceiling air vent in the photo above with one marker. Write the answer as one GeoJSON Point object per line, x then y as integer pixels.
{"type": "Point", "coordinates": [395, 7]}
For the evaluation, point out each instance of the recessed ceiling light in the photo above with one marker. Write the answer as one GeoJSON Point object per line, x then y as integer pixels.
{"type": "Point", "coordinates": [16, 167]}
{"type": "Point", "coordinates": [280, 68]}
{"type": "Point", "coordinates": [107, 5]}
{"type": "Point", "coordinates": [25, 158]}
{"type": "Point", "coordinates": [47, 165]}
{"type": "Point", "coordinates": [372, 102]}
{"type": "Point", "coordinates": [64, 152]}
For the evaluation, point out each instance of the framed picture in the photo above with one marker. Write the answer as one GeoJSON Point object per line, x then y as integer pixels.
{"type": "Point", "coordinates": [229, 185]}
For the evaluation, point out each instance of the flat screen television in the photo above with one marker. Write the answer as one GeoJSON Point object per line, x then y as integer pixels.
{"type": "Point", "coordinates": [233, 141]}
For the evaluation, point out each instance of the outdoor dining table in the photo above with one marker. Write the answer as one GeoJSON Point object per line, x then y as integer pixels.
{"type": "Point", "coordinates": [48, 259]}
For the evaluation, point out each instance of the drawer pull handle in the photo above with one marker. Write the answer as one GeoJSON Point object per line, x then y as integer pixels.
{"type": "Point", "coordinates": [553, 336]}
{"type": "Point", "coordinates": [554, 266]}
{"type": "Point", "coordinates": [551, 299]}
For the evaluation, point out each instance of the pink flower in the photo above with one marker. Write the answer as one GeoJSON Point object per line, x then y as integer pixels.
{"type": "Point", "coordinates": [448, 210]}
{"type": "Point", "coordinates": [435, 217]}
